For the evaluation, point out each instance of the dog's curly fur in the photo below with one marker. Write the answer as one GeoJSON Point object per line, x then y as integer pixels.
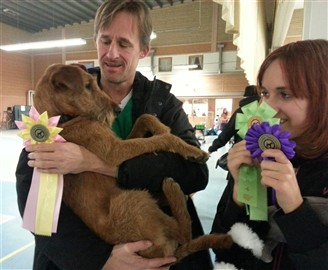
{"type": "Point", "coordinates": [114, 214]}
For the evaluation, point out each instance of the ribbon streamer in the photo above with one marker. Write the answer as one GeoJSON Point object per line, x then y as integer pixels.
{"type": "Point", "coordinates": [44, 199]}
{"type": "Point", "coordinates": [250, 190]}
{"type": "Point", "coordinates": [252, 193]}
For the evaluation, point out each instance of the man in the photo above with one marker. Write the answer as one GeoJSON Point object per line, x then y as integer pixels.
{"type": "Point", "coordinates": [122, 37]}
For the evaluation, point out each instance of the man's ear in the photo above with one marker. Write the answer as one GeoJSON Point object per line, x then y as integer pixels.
{"type": "Point", "coordinates": [144, 52]}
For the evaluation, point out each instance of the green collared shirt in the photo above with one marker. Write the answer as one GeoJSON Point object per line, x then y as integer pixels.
{"type": "Point", "coordinates": [122, 124]}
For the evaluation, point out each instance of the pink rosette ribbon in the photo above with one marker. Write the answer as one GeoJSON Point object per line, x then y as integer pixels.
{"type": "Point", "coordinates": [44, 199]}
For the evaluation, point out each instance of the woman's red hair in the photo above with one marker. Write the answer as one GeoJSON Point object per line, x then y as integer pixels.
{"type": "Point", "coordinates": [305, 68]}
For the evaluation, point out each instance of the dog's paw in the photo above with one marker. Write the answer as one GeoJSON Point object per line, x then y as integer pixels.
{"type": "Point", "coordinates": [202, 157]}
{"type": "Point", "coordinates": [170, 185]}
{"type": "Point", "coordinates": [223, 241]}
{"type": "Point", "coordinates": [227, 242]}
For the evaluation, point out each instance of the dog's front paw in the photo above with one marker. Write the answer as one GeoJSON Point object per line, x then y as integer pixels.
{"type": "Point", "coordinates": [202, 157]}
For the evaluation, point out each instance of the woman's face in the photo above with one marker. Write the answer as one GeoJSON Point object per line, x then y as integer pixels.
{"type": "Point", "coordinates": [292, 111]}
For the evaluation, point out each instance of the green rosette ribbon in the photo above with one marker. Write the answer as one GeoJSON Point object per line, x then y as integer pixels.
{"type": "Point", "coordinates": [250, 190]}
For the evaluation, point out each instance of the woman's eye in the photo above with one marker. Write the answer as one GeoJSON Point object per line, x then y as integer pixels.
{"type": "Point", "coordinates": [285, 95]}
{"type": "Point", "coordinates": [264, 93]}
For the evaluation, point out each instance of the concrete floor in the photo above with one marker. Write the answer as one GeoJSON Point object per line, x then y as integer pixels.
{"type": "Point", "coordinates": [17, 244]}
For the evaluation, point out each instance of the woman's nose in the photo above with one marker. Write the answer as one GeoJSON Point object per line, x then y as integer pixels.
{"type": "Point", "coordinates": [272, 102]}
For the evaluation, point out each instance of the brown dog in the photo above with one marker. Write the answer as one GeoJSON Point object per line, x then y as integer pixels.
{"type": "Point", "coordinates": [114, 214]}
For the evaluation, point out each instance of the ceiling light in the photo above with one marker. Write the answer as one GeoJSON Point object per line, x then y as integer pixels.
{"type": "Point", "coordinates": [153, 35]}
{"type": "Point", "coordinates": [10, 12]}
{"type": "Point", "coordinates": [44, 44]}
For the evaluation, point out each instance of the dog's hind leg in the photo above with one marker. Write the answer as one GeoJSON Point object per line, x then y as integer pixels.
{"type": "Point", "coordinates": [177, 202]}
{"type": "Point", "coordinates": [145, 124]}
{"type": "Point", "coordinates": [215, 241]}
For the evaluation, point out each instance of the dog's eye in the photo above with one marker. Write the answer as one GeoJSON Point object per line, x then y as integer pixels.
{"type": "Point", "coordinates": [88, 86]}
{"type": "Point", "coordinates": [60, 85]}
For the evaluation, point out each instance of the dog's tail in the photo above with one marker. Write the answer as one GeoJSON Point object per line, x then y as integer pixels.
{"type": "Point", "coordinates": [215, 241]}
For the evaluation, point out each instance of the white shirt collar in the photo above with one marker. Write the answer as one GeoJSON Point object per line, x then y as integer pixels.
{"type": "Point", "coordinates": [125, 100]}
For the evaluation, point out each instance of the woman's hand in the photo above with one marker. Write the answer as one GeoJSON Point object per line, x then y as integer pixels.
{"type": "Point", "coordinates": [63, 158]}
{"type": "Point", "coordinates": [237, 156]}
{"type": "Point", "coordinates": [280, 176]}
{"type": "Point", "coordinates": [125, 257]}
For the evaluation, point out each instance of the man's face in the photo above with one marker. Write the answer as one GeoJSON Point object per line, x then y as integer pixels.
{"type": "Point", "coordinates": [118, 48]}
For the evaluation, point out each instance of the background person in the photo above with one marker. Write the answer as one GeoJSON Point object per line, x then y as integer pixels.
{"type": "Point", "coordinates": [229, 131]}
{"type": "Point", "coordinates": [122, 37]}
{"type": "Point", "coordinates": [224, 118]}
{"type": "Point", "coordinates": [299, 94]}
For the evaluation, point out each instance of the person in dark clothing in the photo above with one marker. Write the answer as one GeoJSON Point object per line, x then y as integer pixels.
{"type": "Point", "coordinates": [297, 188]}
{"type": "Point", "coordinates": [229, 131]}
{"type": "Point", "coordinates": [224, 118]}
{"type": "Point", "coordinates": [122, 37]}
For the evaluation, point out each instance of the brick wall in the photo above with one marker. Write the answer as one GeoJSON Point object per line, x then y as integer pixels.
{"type": "Point", "coordinates": [181, 29]}
{"type": "Point", "coordinates": [15, 80]}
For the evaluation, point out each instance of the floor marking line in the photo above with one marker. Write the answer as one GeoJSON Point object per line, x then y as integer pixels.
{"type": "Point", "coordinates": [12, 254]}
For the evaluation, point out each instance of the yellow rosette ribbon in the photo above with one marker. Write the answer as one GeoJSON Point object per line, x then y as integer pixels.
{"type": "Point", "coordinates": [250, 190]}
{"type": "Point", "coordinates": [43, 202]}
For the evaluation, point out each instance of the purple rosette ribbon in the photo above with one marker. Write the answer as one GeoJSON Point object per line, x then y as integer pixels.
{"type": "Point", "coordinates": [261, 130]}
{"type": "Point", "coordinates": [260, 137]}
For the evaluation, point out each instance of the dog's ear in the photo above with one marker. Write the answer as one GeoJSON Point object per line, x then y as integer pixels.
{"type": "Point", "coordinates": [67, 78]}
{"type": "Point", "coordinates": [80, 66]}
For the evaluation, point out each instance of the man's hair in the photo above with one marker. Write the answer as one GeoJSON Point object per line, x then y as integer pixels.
{"type": "Point", "coordinates": [137, 8]}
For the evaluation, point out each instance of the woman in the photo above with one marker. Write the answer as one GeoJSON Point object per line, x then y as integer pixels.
{"type": "Point", "coordinates": [224, 118]}
{"type": "Point", "coordinates": [293, 80]}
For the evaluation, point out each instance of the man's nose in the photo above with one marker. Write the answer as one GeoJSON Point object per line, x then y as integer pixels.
{"type": "Point", "coordinates": [113, 51]}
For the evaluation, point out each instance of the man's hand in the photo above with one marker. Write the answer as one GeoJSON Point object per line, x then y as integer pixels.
{"type": "Point", "coordinates": [63, 158]}
{"type": "Point", "coordinates": [124, 257]}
